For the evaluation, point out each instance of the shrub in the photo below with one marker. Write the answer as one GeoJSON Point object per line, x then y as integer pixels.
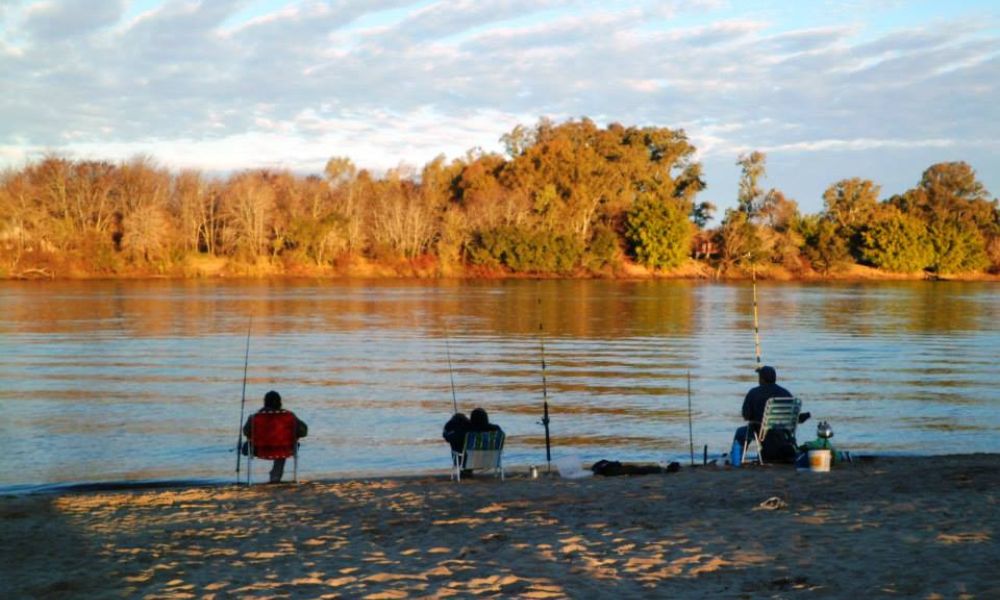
{"type": "Point", "coordinates": [896, 242]}
{"type": "Point", "coordinates": [658, 232]}
{"type": "Point", "coordinates": [525, 251]}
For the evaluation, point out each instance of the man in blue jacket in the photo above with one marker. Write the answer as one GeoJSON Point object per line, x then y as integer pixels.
{"type": "Point", "coordinates": [753, 409]}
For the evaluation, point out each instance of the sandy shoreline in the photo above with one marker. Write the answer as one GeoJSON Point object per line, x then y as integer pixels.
{"type": "Point", "coordinates": [894, 527]}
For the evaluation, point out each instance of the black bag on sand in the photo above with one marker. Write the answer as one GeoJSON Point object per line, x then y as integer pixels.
{"type": "Point", "coordinates": [779, 446]}
{"type": "Point", "coordinates": [612, 468]}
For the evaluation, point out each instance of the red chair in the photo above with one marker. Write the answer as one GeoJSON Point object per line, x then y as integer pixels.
{"type": "Point", "coordinates": [273, 435]}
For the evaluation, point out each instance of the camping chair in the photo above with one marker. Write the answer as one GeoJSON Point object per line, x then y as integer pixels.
{"type": "Point", "coordinates": [483, 451]}
{"type": "Point", "coordinates": [779, 413]}
{"type": "Point", "coordinates": [273, 435]}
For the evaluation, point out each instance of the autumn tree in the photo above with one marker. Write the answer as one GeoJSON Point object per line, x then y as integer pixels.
{"type": "Point", "coordinates": [248, 201]}
{"type": "Point", "coordinates": [140, 195]}
{"type": "Point", "coordinates": [403, 224]}
{"type": "Point", "coordinates": [342, 177]}
{"type": "Point", "coordinates": [580, 183]}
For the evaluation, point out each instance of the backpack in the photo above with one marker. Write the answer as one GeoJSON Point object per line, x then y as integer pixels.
{"type": "Point", "coordinates": [779, 446]}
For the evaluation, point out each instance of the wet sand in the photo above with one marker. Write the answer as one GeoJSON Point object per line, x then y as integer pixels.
{"type": "Point", "coordinates": [892, 527]}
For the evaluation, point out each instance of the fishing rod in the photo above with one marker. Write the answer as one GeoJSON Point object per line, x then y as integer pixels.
{"type": "Point", "coordinates": [451, 372]}
{"type": "Point", "coordinates": [243, 402]}
{"type": "Point", "coordinates": [756, 328]}
{"type": "Point", "coordinates": [545, 393]}
{"type": "Point", "coordinates": [690, 426]}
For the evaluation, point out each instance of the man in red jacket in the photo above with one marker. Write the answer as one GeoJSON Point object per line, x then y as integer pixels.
{"type": "Point", "coordinates": [272, 406]}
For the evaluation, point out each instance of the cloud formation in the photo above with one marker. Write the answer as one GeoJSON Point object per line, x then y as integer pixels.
{"type": "Point", "coordinates": [204, 84]}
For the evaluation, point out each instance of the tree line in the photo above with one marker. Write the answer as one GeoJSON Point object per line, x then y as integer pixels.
{"type": "Point", "coordinates": [565, 199]}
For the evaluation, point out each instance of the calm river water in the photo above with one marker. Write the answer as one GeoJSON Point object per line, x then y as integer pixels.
{"type": "Point", "coordinates": [139, 381]}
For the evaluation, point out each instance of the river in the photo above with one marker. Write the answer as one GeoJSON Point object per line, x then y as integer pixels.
{"type": "Point", "coordinates": [139, 381]}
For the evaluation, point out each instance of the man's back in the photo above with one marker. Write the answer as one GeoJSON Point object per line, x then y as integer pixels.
{"type": "Point", "coordinates": [756, 399]}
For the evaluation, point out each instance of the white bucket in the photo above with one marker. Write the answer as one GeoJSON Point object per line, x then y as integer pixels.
{"type": "Point", "coordinates": [570, 467]}
{"type": "Point", "coordinates": [819, 460]}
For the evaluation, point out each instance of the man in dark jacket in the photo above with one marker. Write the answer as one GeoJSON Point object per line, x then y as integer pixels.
{"type": "Point", "coordinates": [756, 399]}
{"type": "Point", "coordinates": [753, 408]}
{"type": "Point", "coordinates": [272, 405]}
{"type": "Point", "coordinates": [481, 421]}
{"type": "Point", "coordinates": [455, 430]}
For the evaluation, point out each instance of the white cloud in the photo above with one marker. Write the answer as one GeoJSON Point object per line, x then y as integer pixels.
{"type": "Point", "coordinates": [416, 138]}
{"type": "Point", "coordinates": [55, 20]}
{"type": "Point", "coordinates": [402, 80]}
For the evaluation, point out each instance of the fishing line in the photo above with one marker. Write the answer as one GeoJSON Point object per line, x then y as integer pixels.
{"type": "Point", "coordinates": [756, 327]}
{"type": "Point", "coordinates": [243, 401]}
{"type": "Point", "coordinates": [545, 391]}
{"type": "Point", "coordinates": [690, 425]}
{"type": "Point", "coordinates": [451, 373]}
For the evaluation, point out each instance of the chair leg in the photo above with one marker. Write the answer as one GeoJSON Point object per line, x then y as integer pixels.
{"type": "Point", "coordinates": [295, 467]}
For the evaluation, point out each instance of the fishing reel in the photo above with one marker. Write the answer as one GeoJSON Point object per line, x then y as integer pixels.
{"type": "Point", "coordinates": [824, 431]}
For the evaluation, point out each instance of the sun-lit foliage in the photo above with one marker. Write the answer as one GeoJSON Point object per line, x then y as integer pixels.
{"type": "Point", "coordinates": [570, 199]}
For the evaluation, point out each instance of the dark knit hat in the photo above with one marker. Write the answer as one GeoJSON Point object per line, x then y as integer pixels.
{"type": "Point", "coordinates": [767, 374]}
{"type": "Point", "coordinates": [272, 399]}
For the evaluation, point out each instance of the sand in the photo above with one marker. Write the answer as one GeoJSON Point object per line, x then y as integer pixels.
{"type": "Point", "coordinates": [892, 527]}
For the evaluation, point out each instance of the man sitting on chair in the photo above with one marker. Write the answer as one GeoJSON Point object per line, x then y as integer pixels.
{"type": "Point", "coordinates": [272, 405]}
{"type": "Point", "coordinates": [455, 430]}
{"type": "Point", "coordinates": [753, 409]}
{"type": "Point", "coordinates": [459, 425]}
{"type": "Point", "coordinates": [480, 421]}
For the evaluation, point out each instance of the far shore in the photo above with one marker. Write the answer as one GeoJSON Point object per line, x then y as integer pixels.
{"type": "Point", "coordinates": [221, 269]}
{"type": "Point", "coordinates": [913, 527]}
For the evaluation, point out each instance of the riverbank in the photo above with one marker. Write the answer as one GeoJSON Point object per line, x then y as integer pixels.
{"type": "Point", "coordinates": [905, 527]}
{"type": "Point", "coordinates": [429, 268]}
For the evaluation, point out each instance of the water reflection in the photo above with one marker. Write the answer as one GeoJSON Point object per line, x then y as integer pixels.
{"type": "Point", "coordinates": [127, 378]}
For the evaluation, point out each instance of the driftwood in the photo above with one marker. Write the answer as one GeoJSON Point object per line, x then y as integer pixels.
{"type": "Point", "coordinates": [33, 274]}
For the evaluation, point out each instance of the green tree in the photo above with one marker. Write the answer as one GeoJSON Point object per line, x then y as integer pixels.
{"type": "Point", "coordinates": [960, 217]}
{"type": "Point", "coordinates": [779, 232]}
{"type": "Point", "coordinates": [956, 248]}
{"type": "Point", "coordinates": [823, 245]}
{"type": "Point", "coordinates": [738, 240]}
{"type": "Point", "coordinates": [752, 169]}
{"type": "Point", "coordinates": [525, 251]}
{"type": "Point", "coordinates": [702, 213]}
{"type": "Point", "coordinates": [850, 204]}
{"type": "Point", "coordinates": [658, 232]}
{"type": "Point", "coordinates": [896, 242]}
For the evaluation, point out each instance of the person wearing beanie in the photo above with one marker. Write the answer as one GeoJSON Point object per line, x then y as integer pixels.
{"type": "Point", "coordinates": [753, 410]}
{"type": "Point", "coordinates": [272, 404]}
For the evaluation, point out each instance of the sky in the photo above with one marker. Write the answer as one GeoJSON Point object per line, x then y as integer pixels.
{"type": "Point", "coordinates": [879, 89]}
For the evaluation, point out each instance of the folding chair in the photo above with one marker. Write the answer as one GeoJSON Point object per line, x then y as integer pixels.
{"type": "Point", "coordinates": [779, 413]}
{"type": "Point", "coordinates": [273, 435]}
{"type": "Point", "coordinates": [482, 451]}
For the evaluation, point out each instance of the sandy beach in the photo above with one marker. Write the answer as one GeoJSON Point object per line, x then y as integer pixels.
{"type": "Point", "coordinates": [889, 527]}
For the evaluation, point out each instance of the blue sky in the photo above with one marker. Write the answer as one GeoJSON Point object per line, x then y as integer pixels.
{"type": "Point", "coordinates": [879, 89]}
